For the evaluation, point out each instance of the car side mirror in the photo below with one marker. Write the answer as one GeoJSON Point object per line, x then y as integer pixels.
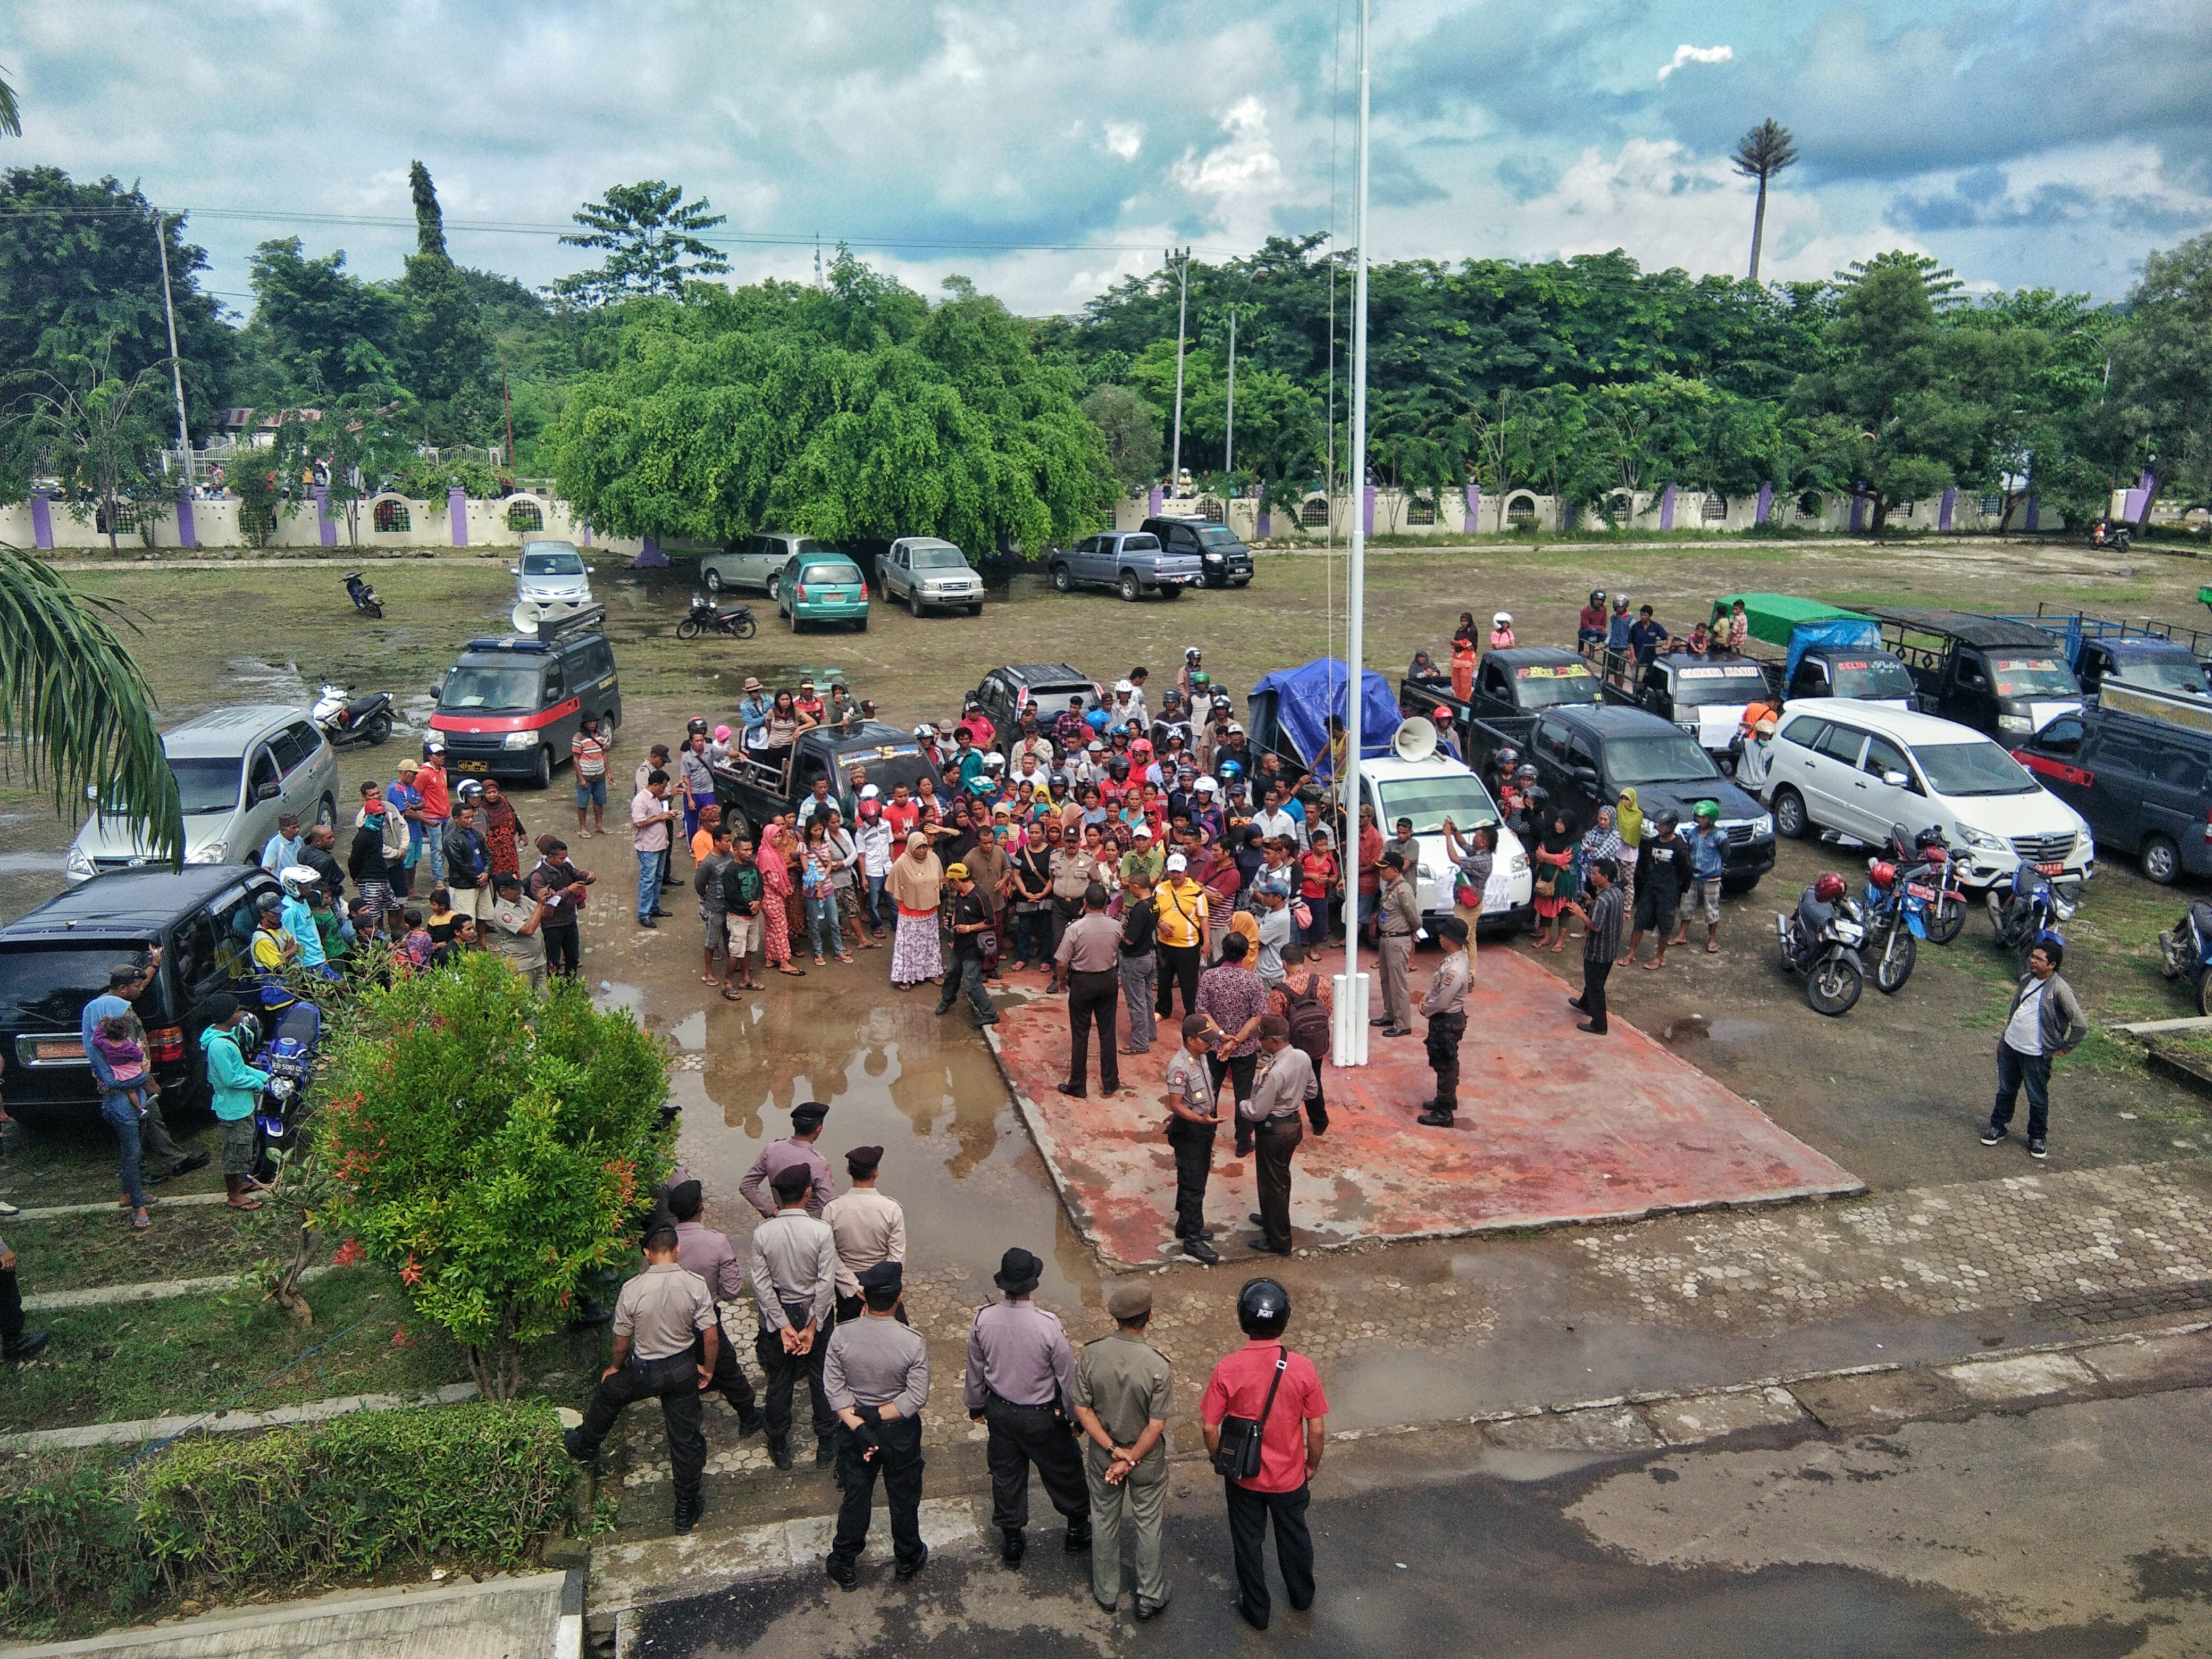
{"type": "Point", "coordinates": [515, 570]}
{"type": "Point", "coordinates": [1895, 780]}
{"type": "Point", "coordinates": [267, 792]}
{"type": "Point", "coordinates": [1586, 776]}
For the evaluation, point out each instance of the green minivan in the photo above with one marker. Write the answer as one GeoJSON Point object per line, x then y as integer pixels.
{"type": "Point", "coordinates": [820, 584]}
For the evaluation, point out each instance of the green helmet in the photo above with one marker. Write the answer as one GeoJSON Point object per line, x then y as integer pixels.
{"type": "Point", "coordinates": [1706, 809]}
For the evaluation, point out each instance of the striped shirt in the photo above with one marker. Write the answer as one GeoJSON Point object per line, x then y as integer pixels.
{"type": "Point", "coordinates": [590, 754]}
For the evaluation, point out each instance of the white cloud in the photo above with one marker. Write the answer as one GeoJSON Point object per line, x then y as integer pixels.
{"type": "Point", "coordinates": [1125, 138]}
{"type": "Point", "coordinates": [1689, 54]}
{"type": "Point", "coordinates": [1242, 175]}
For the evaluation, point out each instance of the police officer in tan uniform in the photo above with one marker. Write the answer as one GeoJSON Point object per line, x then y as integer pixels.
{"type": "Point", "coordinates": [1445, 1007]}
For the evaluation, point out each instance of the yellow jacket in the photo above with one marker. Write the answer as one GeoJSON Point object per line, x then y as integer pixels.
{"type": "Point", "coordinates": [1182, 904]}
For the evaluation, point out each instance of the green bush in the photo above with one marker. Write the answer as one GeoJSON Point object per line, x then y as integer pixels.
{"type": "Point", "coordinates": [87, 1542]}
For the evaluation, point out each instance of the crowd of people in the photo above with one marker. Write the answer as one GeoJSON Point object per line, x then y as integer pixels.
{"type": "Point", "coordinates": [826, 1273]}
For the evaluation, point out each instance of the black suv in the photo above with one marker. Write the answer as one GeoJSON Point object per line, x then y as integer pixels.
{"type": "Point", "coordinates": [1007, 693]}
{"type": "Point", "coordinates": [509, 706]}
{"type": "Point", "coordinates": [1227, 562]}
{"type": "Point", "coordinates": [55, 959]}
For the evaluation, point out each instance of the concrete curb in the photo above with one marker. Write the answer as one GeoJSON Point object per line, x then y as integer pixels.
{"type": "Point", "coordinates": [144, 1429]}
{"type": "Point", "coordinates": [158, 1290]}
{"type": "Point", "coordinates": [57, 1211]}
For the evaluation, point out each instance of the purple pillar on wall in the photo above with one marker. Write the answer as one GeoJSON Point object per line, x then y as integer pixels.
{"type": "Point", "coordinates": [457, 512]}
{"type": "Point", "coordinates": [1944, 513]}
{"type": "Point", "coordinates": [187, 533]}
{"type": "Point", "coordinates": [1858, 511]}
{"type": "Point", "coordinates": [649, 556]}
{"type": "Point", "coordinates": [1152, 503]}
{"type": "Point", "coordinates": [587, 532]}
{"type": "Point", "coordinates": [1764, 510]}
{"type": "Point", "coordinates": [327, 529]}
{"type": "Point", "coordinates": [42, 522]}
{"type": "Point", "coordinates": [2132, 504]}
{"type": "Point", "coordinates": [1667, 508]}
{"type": "Point", "coordinates": [2034, 513]}
{"type": "Point", "coordinates": [1473, 509]}
{"type": "Point", "coordinates": [1367, 510]}
{"type": "Point", "coordinates": [1266, 525]}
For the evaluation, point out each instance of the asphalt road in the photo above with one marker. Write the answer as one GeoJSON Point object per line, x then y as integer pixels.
{"type": "Point", "coordinates": [2078, 1531]}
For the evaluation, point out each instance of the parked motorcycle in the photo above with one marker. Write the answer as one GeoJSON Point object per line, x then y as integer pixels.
{"type": "Point", "coordinates": [288, 1056]}
{"type": "Point", "coordinates": [364, 720]}
{"type": "Point", "coordinates": [1945, 895]}
{"type": "Point", "coordinates": [2030, 906]}
{"type": "Point", "coordinates": [362, 595]}
{"type": "Point", "coordinates": [707, 618]}
{"type": "Point", "coordinates": [2105, 533]}
{"type": "Point", "coordinates": [2184, 952]}
{"type": "Point", "coordinates": [1896, 923]}
{"type": "Point", "coordinates": [1820, 943]}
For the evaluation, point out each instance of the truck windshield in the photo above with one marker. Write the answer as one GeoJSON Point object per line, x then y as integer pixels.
{"type": "Point", "coordinates": [1219, 538]}
{"type": "Point", "coordinates": [1676, 758]}
{"type": "Point", "coordinates": [2033, 677]}
{"type": "Point", "coordinates": [938, 558]}
{"type": "Point", "coordinates": [1973, 768]}
{"type": "Point", "coordinates": [1428, 801]}
{"type": "Point", "coordinates": [2162, 671]}
{"type": "Point", "coordinates": [488, 691]}
{"type": "Point", "coordinates": [1872, 678]}
{"type": "Point", "coordinates": [1549, 685]}
{"type": "Point", "coordinates": [1734, 683]}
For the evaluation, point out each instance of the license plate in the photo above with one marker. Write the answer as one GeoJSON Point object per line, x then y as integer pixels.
{"type": "Point", "coordinates": [2052, 869]}
{"type": "Point", "coordinates": [473, 765]}
{"type": "Point", "coordinates": [1919, 892]}
{"type": "Point", "coordinates": [56, 1048]}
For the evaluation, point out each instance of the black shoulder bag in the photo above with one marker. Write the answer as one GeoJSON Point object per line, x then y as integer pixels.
{"type": "Point", "coordinates": [1237, 1455]}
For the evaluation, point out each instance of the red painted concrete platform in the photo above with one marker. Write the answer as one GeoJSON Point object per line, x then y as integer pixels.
{"type": "Point", "coordinates": [1555, 1126]}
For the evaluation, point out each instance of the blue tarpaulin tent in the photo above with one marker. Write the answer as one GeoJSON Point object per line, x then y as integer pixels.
{"type": "Point", "coordinates": [1290, 710]}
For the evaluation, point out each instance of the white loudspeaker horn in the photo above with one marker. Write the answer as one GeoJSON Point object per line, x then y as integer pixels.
{"type": "Point", "coordinates": [1416, 739]}
{"type": "Point", "coordinates": [524, 616]}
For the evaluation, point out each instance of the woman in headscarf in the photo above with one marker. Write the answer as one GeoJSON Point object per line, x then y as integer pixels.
{"type": "Point", "coordinates": [775, 890]}
{"type": "Point", "coordinates": [1603, 840]}
{"type": "Point", "coordinates": [917, 880]}
{"type": "Point", "coordinates": [1554, 858]}
{"type": "Point", "coordinates": [1464, 639]}
{"type": "Point", "coordinates": [1629, 822]}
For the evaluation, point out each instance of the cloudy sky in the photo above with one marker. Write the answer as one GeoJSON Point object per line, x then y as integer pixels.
{"type": "Point", "coordinates": [1046, 148]}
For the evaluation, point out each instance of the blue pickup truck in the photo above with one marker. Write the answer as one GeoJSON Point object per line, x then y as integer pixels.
{"type": "Point", "coordinates": [1131, 562]}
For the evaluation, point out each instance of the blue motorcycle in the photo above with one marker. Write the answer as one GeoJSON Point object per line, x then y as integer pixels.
{"type": "Point", "coordinates": [2031, 905]}
{"type": "Point", "coordinates": [2184, 952]}
{"type": "Point", "coordinates": [1897, 921]}
{"type": "Point", "coordinates": [295, 1036]}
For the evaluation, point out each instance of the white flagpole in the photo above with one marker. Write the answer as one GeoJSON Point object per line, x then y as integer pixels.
{"type": "Point", "coordinates": [1349, 1047]}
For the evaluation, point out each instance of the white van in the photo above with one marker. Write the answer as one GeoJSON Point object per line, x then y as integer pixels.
{"type": "Point", "coordinates": [1428, 790]}
{"type": "Point", "coordinates": [1838, 763]}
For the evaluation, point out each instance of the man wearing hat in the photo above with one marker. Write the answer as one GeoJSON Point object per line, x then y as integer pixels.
{"type": "Point", "coordinates": [660, 1318]}
{"type": "Point", "coordinates": [1758, 754]}
{"type": "Point", "coordinates": [1446, 1009]}
{"type": "Point", "coordinates": [877, 1376]}
{"type": "Point", "coordinates": [699, 1249]}
{"type": "Point", "coordinates": [869, 1229]}
{"type": "Point", "coordinates": [404, 798]}
{"type": "Point", "coordinates": [1271, 1115]}
{"type": "Point", "coordinates": [794, 1274]}
{"type": "Point", "coordinates": [515, 919]}
{"type": "Point", "coordinates": [971, 920]}
{"type": "Point", "coordinates": [795, 1151]}
{"type": "Point", "coordinates": [1399, 917]}
{"type": "Point", "coordinates": [1123, 1387]}
{"type": "Point", "coordinates": [1020, 1374]}
{"type": "Point", "coordinates": [1182, 906]}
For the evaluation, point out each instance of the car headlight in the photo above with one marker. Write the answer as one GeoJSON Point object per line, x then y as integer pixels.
{"type": "Point", "coordinates": [80, 864]}
{"type": "Point", "coordinates": [519, 740]}
{"type": "Point", "coordinates": [1521, 865]}
{"type": "Point", "coordinates": [1762, 826]}
{"type": "Point", "coordinates": [216, 852]}
{"type": "Point", "coordinates": [2086, 845]}
{"type": "Point", "coordinates": [1981, 840]}
{"type": "Point", "coordinates": [2019, 723]}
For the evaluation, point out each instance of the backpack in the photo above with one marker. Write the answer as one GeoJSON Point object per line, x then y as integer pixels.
{"type": "Point", "coordinates": [1308, 1019]}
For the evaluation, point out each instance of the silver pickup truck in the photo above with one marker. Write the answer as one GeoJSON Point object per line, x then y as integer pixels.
{"type": "Point", "coordinates": [1129, 560]}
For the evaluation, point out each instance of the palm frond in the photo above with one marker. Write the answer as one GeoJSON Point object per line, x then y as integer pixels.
{"type": "Point", "coordinates": [74, 706]}
{"type": "Point", "coordinates": [11, 114]}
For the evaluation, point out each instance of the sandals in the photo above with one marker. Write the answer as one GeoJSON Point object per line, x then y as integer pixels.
{"type": "Point", "coordinates": [730, 995]}
{"type": "Point", "coordinates": [141, 1221]}
{"type": "Point", "coordinates": [842, 957]}
{"type": "Point", "coordinates": [250, 1204]}
{"type": "Point", "coordinates": [793, 973]}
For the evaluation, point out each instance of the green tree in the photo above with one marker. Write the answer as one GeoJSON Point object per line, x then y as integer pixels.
{"type": "Point", "coordinates": [355, 439]}
{"type": "Point", "coordinates": [650, 236]}
{"type": "Point", "coordinates": [493, 1144]}
{"type": "Point", "coordinates": [444, 354]}
{"type": "Point", "coordinates": [2162, 367]}
{"type": "Point", "coordinates": [1132, 432]}
{"type": "Point", "coordinates": [1760, 154]}
{"type": "Point", "coordinates": [100, 433]}
{"type": "Point", "coordinates": [81, 276]}
{"type": "Point", "coordinates": [429, 221]}
{"type": "Point", "coordinates": [1894, 415]}
{"type": "Point", "coordinates": [75, 711]}
{"type": "Point", "coordinates": [331, 333]}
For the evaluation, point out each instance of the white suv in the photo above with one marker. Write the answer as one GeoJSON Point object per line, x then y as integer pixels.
{"type": "Point", "coordinates": [1840, 763]}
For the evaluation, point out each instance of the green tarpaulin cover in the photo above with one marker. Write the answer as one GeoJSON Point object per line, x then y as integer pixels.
{"type": "Point", "coordinates": [1775, 617]}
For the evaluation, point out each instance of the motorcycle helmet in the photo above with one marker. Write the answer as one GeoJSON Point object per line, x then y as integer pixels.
{"type": "Point", "coordinates": [1597, 596]}
{"type": "Point", "coordinates": [299, 879]}
{"type": "Point", "coordinates": [1505, 760]}
{"type": "Point", "coordinates": [1671, 819]}
{"type": "Point", "coordinates": [1882, 873]}
{"type": "Point", "coordinates": [1141, 746]}
{"type": "Point", "coordinates": [1501, 619]}
{"type": "Point", "coordinates": [1200, 680]}
{"type": "Point", "coordinates": [1230, 771]}
{"type": "Point", "coordinates": [1263, 1308]}
{"type": "Point", "coordinates": [1620, 602]}
{"type": "Point", "coordinates": [695, 726]}
{"type": "Point", "coordinates": [1118, 765]}
{"type": "Point", "coordinates": [1172, 698]}
{"type": "Point", "coordinates": [1191, 654]}
{"type": "Point", "coordinates": [970, 704]}
{"type": "Point", "coordinates": [1524, 774]}
{"type": "Point", "coordinates": [994, 763]}
{"type": "Point", "coordinates": [1829, 888]}
{"type": "Point", "coordinates": [1931, 837]}
{"type": "Point", "coordinates": [926, 731]}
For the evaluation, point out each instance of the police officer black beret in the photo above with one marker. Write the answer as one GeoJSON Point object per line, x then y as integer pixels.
{"type": "Point", "coordinates": [807, 1113]}
{"type": "Point", "coordinates": [883, 1276]}
{"type": "Point", "coordinates": [1450, 927]}
{"type": "Point", "coordinates": [684, 1198]}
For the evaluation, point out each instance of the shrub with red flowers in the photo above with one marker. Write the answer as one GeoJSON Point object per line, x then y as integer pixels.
{"type": "Point", "coordinates": [494, 1144]}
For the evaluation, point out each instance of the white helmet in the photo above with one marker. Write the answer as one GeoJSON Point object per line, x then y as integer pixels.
{"type": "Point", "coordinates": [1123, 688]}
{"type": "Point", "coordinates": [1191, 654]}
{"type": "Point", "coordinates": [297, 879]}
{"type": "Point", "coordinates": [925, 731]}
{"type": "Point", "coordinates": [994, 763]}
{"type": "Point", "coordinates": [1503, 619]}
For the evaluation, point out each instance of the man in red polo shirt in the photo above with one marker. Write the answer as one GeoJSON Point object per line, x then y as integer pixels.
{"type": "Point", "coordinates": [1290, 1443]}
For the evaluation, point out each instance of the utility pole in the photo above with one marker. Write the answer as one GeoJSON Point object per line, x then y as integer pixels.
{"type": "Point", "coordinates": [1181, 264]}
{"type": "Point", "coordinates": [176, 369]}
{"type": "Point", "coordinates": [1229, 456]}
{"type": "Point", "coordinates": [817, 260]}
{"type": "Point", "coordinates": [507, 402]}
{"type": "Point", "coordinates": [1350, 998]}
